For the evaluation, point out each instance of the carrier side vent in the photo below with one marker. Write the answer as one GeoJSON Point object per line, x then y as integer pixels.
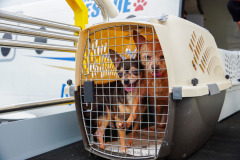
{"type": "Point", "coordinates": [232, 67]}
{"type": "Point", "coordinates": [201, 53]}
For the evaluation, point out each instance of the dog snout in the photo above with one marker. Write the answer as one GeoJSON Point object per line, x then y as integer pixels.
{"type": "Point", "coordinates": [156, 67]}
{"type": "Point", "coordinates": [126, 81]}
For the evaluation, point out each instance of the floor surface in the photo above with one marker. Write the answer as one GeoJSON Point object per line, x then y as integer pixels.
{"type": "Point", "coordinates": [224, 145]}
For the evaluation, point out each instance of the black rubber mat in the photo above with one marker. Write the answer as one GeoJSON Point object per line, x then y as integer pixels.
{"type": "Point", "coordinates": [224, 145]}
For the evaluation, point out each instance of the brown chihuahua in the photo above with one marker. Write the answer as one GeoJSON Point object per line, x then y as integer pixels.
{"type": "Point", "coordinates": [126, 100]}
{"type": "Point", "coordinates": [152, 58]}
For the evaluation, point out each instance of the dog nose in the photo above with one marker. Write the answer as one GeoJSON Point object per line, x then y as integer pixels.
{"type": "Point", "coordinates": [126, 81]}
{"type": "Point", "coordinates": [156, 67]}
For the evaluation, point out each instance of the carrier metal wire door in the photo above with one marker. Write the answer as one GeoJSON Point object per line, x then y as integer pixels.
{"type": "Point", "coordinates": [124, 91]}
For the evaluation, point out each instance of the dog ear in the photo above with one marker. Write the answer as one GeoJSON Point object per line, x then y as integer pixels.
{"type": "Point", "coordinates": [138, 39]}
{"type": "Point", "coordinates": [115, 57]}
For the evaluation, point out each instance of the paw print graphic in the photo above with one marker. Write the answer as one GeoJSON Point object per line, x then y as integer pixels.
{"type": "Point", "coordinates": [139, 5]}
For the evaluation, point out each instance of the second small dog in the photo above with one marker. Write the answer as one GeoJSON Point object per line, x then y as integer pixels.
{"type": "Point", "coordinates": [152, 58]}
{"type": "Point", "coordinates": [127, 102]}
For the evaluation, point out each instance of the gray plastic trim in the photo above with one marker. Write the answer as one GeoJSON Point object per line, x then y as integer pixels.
{"type": "Point", "coordinates": [177, 93]}
{"type": "Point", "coordinates": [163, 18]}
{"type": "Point", "coordinates": [213, 89]}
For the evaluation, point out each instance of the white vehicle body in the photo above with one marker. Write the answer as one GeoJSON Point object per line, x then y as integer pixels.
{"type": "Point", "coordinates": [28, 76]}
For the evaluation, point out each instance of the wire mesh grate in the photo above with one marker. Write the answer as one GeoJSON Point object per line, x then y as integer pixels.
{"type": "Point", "coordinates": [128, 117]}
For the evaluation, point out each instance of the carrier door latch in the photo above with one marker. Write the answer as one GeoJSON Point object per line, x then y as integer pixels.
{"type": "Point", "coordinates": [89, 91]}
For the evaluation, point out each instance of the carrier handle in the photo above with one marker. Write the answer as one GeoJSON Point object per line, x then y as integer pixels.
{"type": "Point", "coordinates": [108, 9]}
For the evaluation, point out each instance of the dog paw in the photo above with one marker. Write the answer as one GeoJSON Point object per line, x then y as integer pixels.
{"type": "Point", "coordinates": [162, 125]}
{"type": "Point", "coordinates": [130, 142]}
{"type": "Point", "coordinates": [123, 150]}
{"type": "Point", "coordinates": [102, 146]}
{"type": "Point", "coordinates": [122, 125]}
{"type": "Point", "coordinates": [152, 128]}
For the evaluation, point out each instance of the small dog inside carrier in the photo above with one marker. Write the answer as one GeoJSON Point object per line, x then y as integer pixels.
{"type": "Point", "coordinates": [147, 89]}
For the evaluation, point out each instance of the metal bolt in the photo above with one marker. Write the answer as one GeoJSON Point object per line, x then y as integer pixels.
{"type": "Point", "coordinates": [227, 77]}
{"type": "Point", "coordinates": [194, 81]}
{"type": "Point", "coordinates": [69, 82]}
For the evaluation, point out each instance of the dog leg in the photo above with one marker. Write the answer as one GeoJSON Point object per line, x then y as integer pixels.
{"type": "Point", "coordinates": [163, 117]}
{"type": "Point", "coordinates": [136, 101]}
{"type": "Point", "coordinates": [160, 117]}
{"type": "Point", "coordinates": [102, 125]}
{"type": "Point", "coordinates": [163, 110]}
{"type": "Point", "coordinates": [157, 110]}
{"type": "Point", "coordinates": [133, 133]}
{"type": "Point", "coordinates": [131, 118]}
{"type": "Point", "coordinates": [136, 126]}
{"type": "Point", "coordinates": [121, 134]}
{"type": "Point", "coordinates": [103, 122]}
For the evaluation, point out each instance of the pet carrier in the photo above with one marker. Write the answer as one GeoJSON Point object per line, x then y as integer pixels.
{"type": "Point", "coordinates": [231, 63]}
{"type": "Point", "coordinates": [148, 89]}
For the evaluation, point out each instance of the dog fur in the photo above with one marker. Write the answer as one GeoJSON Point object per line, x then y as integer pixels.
{"type": "Point", "coordinates": [124, 109]}
{"type": "Point", "coordinates": [152, 58]}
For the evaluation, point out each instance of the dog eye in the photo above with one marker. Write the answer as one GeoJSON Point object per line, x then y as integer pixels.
{"type": "Point", "coordinates": [148, 57]}
{"type": "Point", "coordinates": [120, 74]}
{"type": "Point", "coordinates": [162, 57]}
{"type": "Point", "coordinates": [135, 73]}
